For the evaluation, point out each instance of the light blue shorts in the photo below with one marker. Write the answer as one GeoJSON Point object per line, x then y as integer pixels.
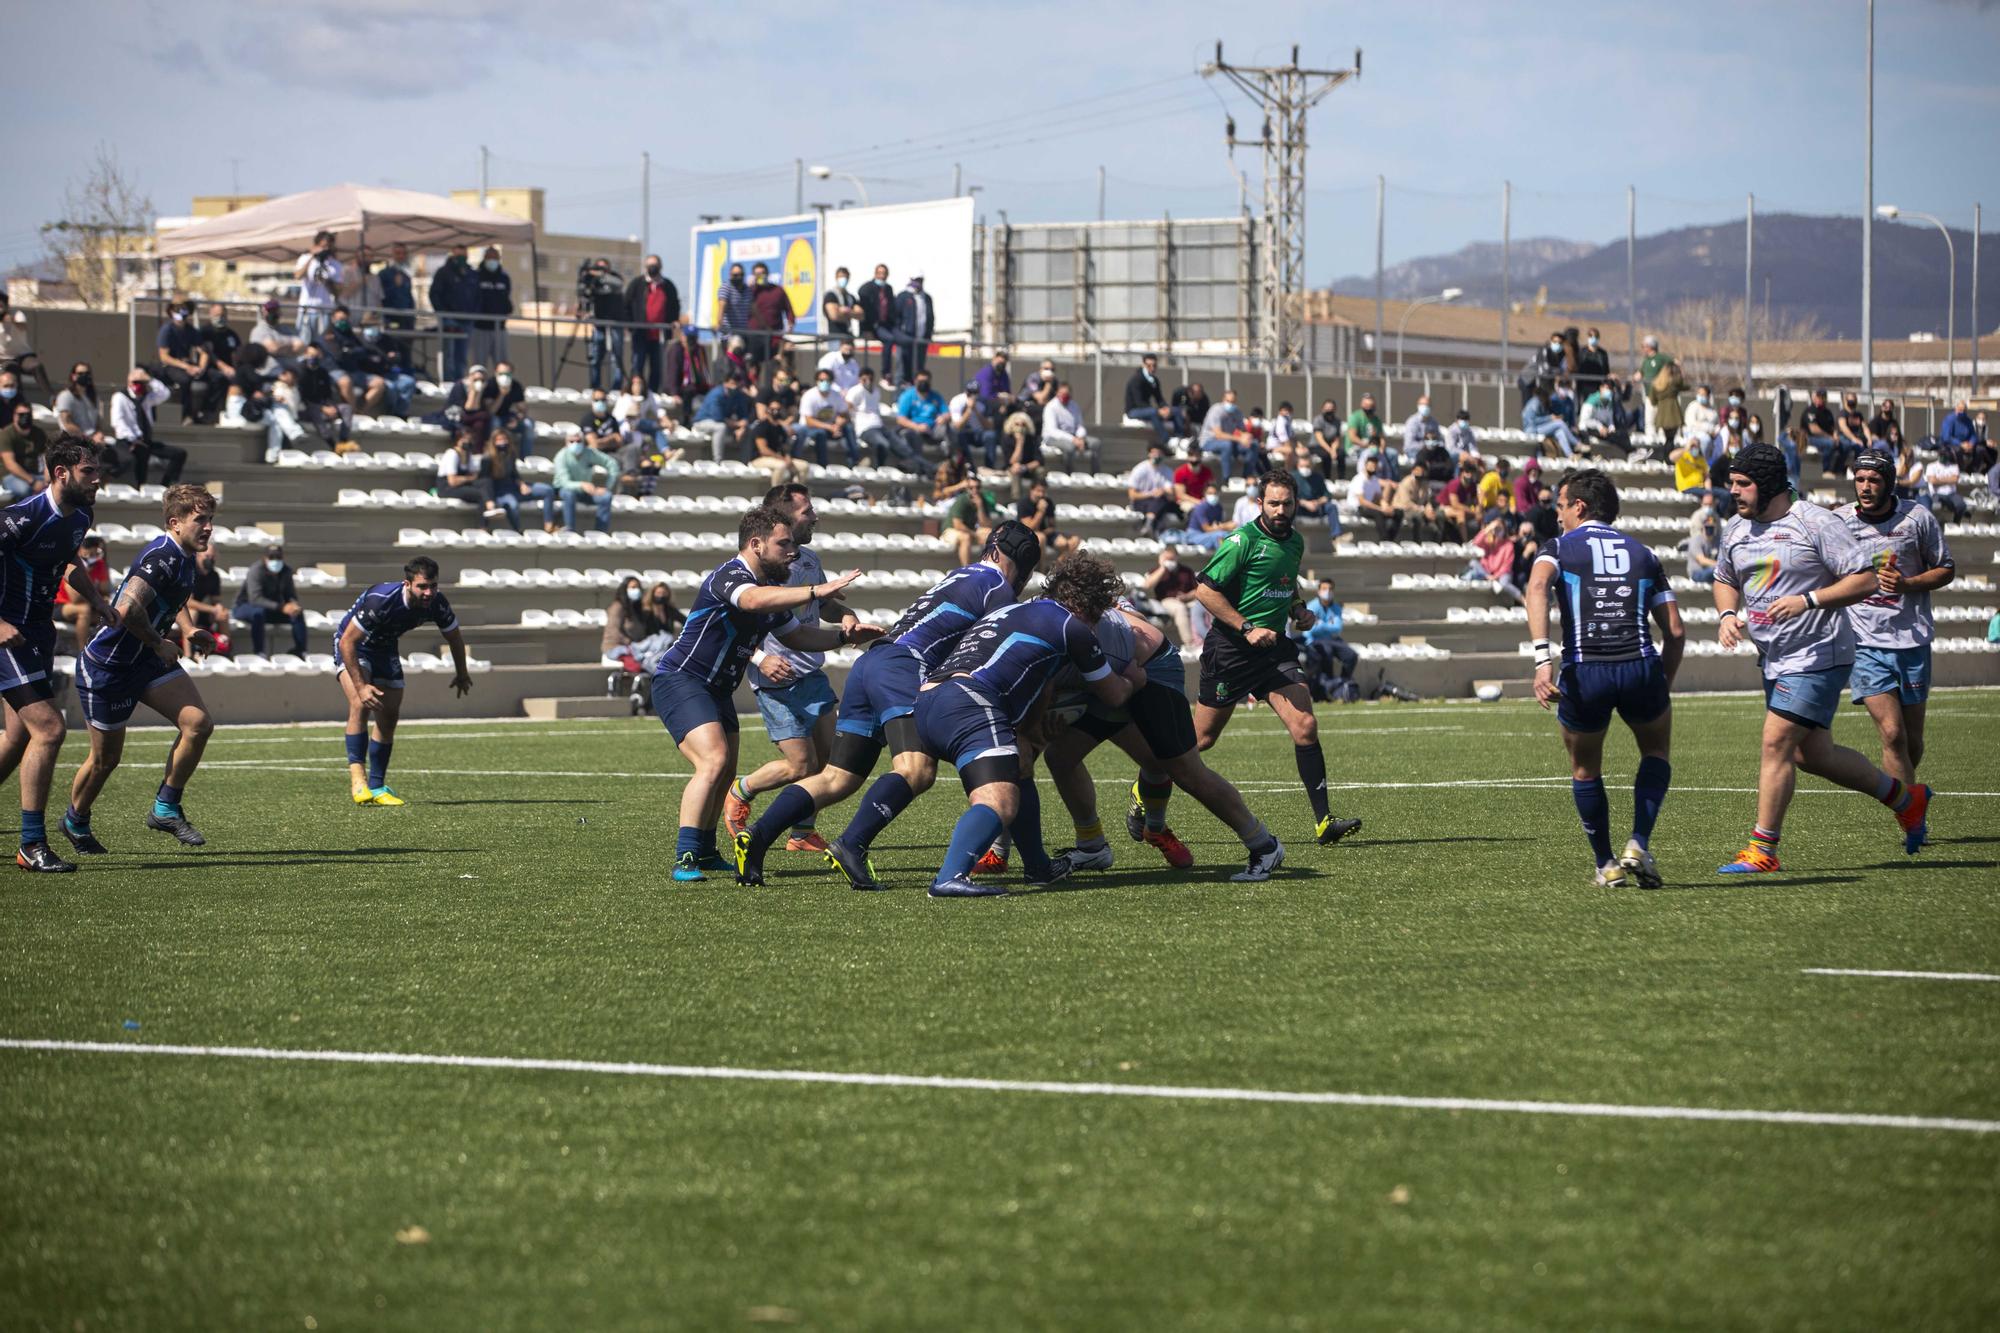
{"type": "Point", "coordinates": [1904, 672]}
{"type": "Point", "coordinates": [791, 713]}
{"type": "Point", "coordinates": [1810, 698]}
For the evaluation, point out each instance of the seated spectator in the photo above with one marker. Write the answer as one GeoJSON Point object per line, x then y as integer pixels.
{"type": "Point", "coordinates": [972, 428]}
{"type": "Point", "coordinates": [251, 401]}
{"type": "Point", "coordinates": [584, 475]}
{"type": "Point", "coordinates": [1700, 417]}
{"type": "Point", "coordinates": [920, 418]}
{"type": "Point", "coordinates": [1941, 495]}
{"type": "Point", "coordinates": [507, 402]}
{"type": "Point", "coordinates": [1496, 490]}
{"type": "Point", "coordinates": [1152, 491]}
{"type": "Point", "coordinates": [1066, 446]}
{"type": "Point", "coordinates": [1315, 497]}
{"type": "Point", "coordinates": [1909, 474]}
{"type": "Point", "coordinates": [1038, 512]}
{"type": "Point", "coordinates": [79, 614]}
{"type": "Point", "coordinates": [1192, 479]}
{"type": "Point", "coordinates": [1206, 525]}
{"type": "Point", "coordinates": [1363, 433]}
{"type": "Point", "coordinates": [22, 445]}
{"type": "Point", "coordinates": [994, 387]}
{"type": "Point", "coordinates": [1329, 453]}
{"type": "Point", "coordinates": [1562, 402]}
{"type": "Point", "coordinates": [822, 419]}
{"type": "Point", "coordinates": [1039, 387]}
{"type": "Point", "coordinates": [771, 445]}
{"type": "Point", "coordinates": [134, 443]}
{"type": "Point", "coordinates": [1537, 419]}
{"type": "Point", "coordinates": [842, 364]}
{"type": "Point", "coordinates": [185, 364]}
{"type": "Point", "coordinates": [888, 448]}
{"type": "Point", "coordinates": [628, 620]}
{"type": "Point", "coordinates": [461, 476]}
{"type": "Point", "coordinates": [270, 594]}
{"type": "Point", "coordinates": [1495, 562]}
{"type": "Point", "coordinates": [1540, 514]}
{"type": "Point", "coordinates": [783, 392]}
{"type": "Point", "coordinates": [1226, 435]}
{"type": "Point", "coordinates": [686, 380]}
{"type": "Point", "coordinates": [1527, 486]}
{"type": "Point", "coordinates": [660, 601]}
{"type": "Point", "coordinates": [1022, 443]}
{"type": "Point", "coordinates": [972, 518]}
{"type": "Point", "coordinates": [1704, 540]}
{"type": "Point", "coordinates": [16, 355]}
{"type": "Point", "coordinates": [1330, 662]}
{"type": "Point", "coordinates": [1884, 428]}
{"type": "Point", "coordinates": [224, 342]}
{"type": "Point", "coordinates": [1598, 421]}
{"type": "Point", "coordinates": [1458, 504]}
{"type": "Point", "coordinates": [639, 413]}
{"type": "Point", "coordinates": [951, 478]}
{"type": "Point", "coordinates": [205, 603]}
{"type": "Point", "coordinates": [468, 404]}
{"type": "Point", "coordinates": [356, 367]}
{"type": "Point", "coordinates": [272, 337]}
{"type": "Point", "coordinates": [1145, 401]}
{"type": "Point", "coordinates": [1460, 437]}
{"type": "Point", "coordinates": [724, 417]}
{"type": "Point", "coordinates": [1169, 594]}
{"type": "Point", "coordinates": [1821, 428]}
{"type": "Point", "coordinates": [77, 414]}
{"type": "Point", "coordinates": [1420, 430]}
{"type": "Point", "coordinates": [1192, 400]}
{"type": "Point", "coordinates": [506, 488]}
{"type": "Point", "coordinates": [1422, 520]}
{"type": "Point", "coordinates": [1373, 500]}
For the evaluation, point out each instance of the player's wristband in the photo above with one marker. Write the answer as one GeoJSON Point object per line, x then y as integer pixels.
{"type": "Point", "coordinates": [1812, 600]}
{"type": "Point", "coordinates": [1729, 613]}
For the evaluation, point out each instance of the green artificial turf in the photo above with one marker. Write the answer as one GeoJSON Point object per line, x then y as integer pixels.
{"type": "Point", "coordinates": [520, 906]}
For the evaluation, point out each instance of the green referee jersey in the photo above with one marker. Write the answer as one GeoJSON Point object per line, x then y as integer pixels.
{"type": "Point", "coordinates": [1258, 573]}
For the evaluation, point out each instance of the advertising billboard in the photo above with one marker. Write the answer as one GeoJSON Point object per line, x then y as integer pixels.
{"type": "Point", "coordinates": [790, 247]}
{"type": "Point", "coordinates": [933, 237]}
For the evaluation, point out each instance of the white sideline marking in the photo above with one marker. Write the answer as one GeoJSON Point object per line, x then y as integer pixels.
{"type": "Point", "coordinates": [1912, 976]}
{"type": "Point", "coordinates": [1605, 1110]}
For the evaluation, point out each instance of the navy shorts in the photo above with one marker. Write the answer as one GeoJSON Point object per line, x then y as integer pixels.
{"type": "Point", "coordinates": [31, 659]}
{"type": "Point", "coordinates": [1591, 691]}
{"type": "Point", "coordinates": [684, 702]}
{"type": "Point", "coordinates": [880, 688]}
{"type": "Point", "coordinates": [108, 694]}
{"type": "Point", "coordinates": [385, 665]}
{"type": "Point", "coordinates": [958, 723]}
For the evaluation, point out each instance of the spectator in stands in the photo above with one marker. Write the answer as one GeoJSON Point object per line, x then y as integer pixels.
{"type": "Point", "coordinates": [1420, 430]}
{"type": "Point", "coordinates": [603, 299]}
{"type": "Point", "coordinates": [1330, 662]}
{"type": "Point", "coordinates": [771, 315]}
{"type": "Point", "coordinates": [783, 393]}
{"type": "Point", "coordinates": [724, 416]}
{"type": "Point", "coordinates": [224, 342]}
{"type": "Point", "coordinates": [77, 414]}
{"type": "Point", "coordinates": [660, 601]}
{"type": "Point", "coordinates": [253, 402]}
{"type": "Point", "coordinates": [877, 299]}
{"type": "Point", "coordinates": [267, 334]}
{"type": "Point", "coordinates": [1373, 500]}
{"type": "Point", "coordinates": [1040, 387]}
{"type": "Point", "coordinates": [1551, 362]}
{"type": "Point", "coordinates": [1458, 504]}
{"type": "Point", "coordinates": [1822, 428]}
{"type": "Point", "coordinates": [1957, 427]}
{"type": "Point", "coordinates": [1495, 561]}
{"type": "Point", "coordinates": [320, 274]}
{"type": "Point", "coordinates": [1597, 422]}
{"type": "Point", "coordinates": [1562, 402]}
{"type": "Point", "coordinates": [395, 289]}
{"type": "Point", "coordinates": [842, 364]}
{"type": "Point", "coordinates": [972, 428]}
{"type": "Point", "coordinates": [506, 488]}
{"type": "Point", "coordinates": [641, 416]}
{"type": "Point", "coordinates": [972, 516]}
{"type": "Point", "coordinates": [1152, 491]}
{"type": "Point", "coordinates": [80, 614]}
{"type": "Point", "coordinates": [1593, 364]}
{"type": "Point", "coordinates": [839, 309]}
{"type": "Point", "coordinates": [1038, 512]}
{"type": "Point", "coordinates": [135, 444]}
{"type": "Point", "coordinates": [460, 476]}
{"type": "Point", "coordinates": [1146, 402]}
{"type": "Point", "coordinates": [1192, 478]}
{"type": "Point", "coordinates": [22, 445]}
{"type": "Point", "coordinates": [686, 380]}
{"type": "Point", "coordinates": [994, 386]}
{"type": "Point", "coordinates": [1540, 515]}
{"type": "Point", "coordinates": [1851, 431]}
{"type": "Point", "coordinates": [1496, 489]}
{"type": "Point", "coordinates": [1023, 447]}
{"type": "Point", "coordinates": [1701, 417]}
{"type": "Point", "coordinates": [1704, 540]}
{"type": "Point", "coordinates": [185, 364]}
{"type": "Point", "coordinates": [468, 403]}
{"type": "Point", "coordinates": [494, 303]}
{"type": "Point", "coordinates": [1226, 435]}
{"type": "Point", "coordinates": [951, 478]}
{"type": "Point", "coordinates": [1537, 419]}
{"type": "Point", "coordinates": [1460, 439]}
{"type": "Point", "coordinates": [354, 364]}
{"type": "Point", "coordinates": [1941, 497]}
{"type": "Point", "coordinates": [916, 324]}
{"type": "Point", "coordinates": [1066, 445]}
{"type": "Point", "coordinates": [1883, 427]}
{"type": "Point", "coordinates": [1364, 432]}
{"type": "Point", "coordinates": [600, 430]}
{"type": "Point", "coordinates": [920, 418]}
{"type": "Point", "coordinates": [822, 418]}
{"type": "Point", "coordinates": [270, 595]}
{"type": "Point", "coordinates": [732, 301]}
{"type": "Point", "coordinates": [584, 475]}
{"type": "Point", "coordinates": [1417, 503]}
{"type": "Point", "coordinates": [653, 303]}
{"type": "Point", "coordinates": [1250, 504]}
{"type": "Point", "coordinates": [16, 354]}
{"type": "Point", "coordinates": [455, 298]}
{"type": "Point", "coordinates": [1329, 454]}
{"type": "Point", "coordinates": [770, 439]}
{"type": "Point", "coordinates": [887, 448]}
{"type": "Point", "coordinates": [1314, 495]}
{"type": "Point", "coordinates": [628, 620]}
{"type": "Point", "coordinates": [1206, 524]}
{"type": "Point", "coordinates": [1168, 593]}
{"type": "Point", "coordinates": [509, 406]}
{"type": "Point", "coordinates": [204, 602]}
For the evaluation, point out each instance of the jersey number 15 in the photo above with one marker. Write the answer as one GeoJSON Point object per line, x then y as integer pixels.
{"type": "Point", "coordinates": [1609, 557]}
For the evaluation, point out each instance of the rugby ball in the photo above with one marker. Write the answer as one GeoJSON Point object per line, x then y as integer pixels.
{"type": "Point", "coordinates": [1488, 693]}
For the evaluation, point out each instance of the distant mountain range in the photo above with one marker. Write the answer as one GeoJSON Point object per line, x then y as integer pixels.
{"type": "Point", "coordinates": [1812, 265]}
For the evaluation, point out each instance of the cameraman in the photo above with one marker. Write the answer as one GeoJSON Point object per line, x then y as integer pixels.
{"type": "Point", "coordinates": [652, 301]}
{"type": "Point", "coordinates": [601, 291]}
{"type": "Point", "coordinates": [320, 275]}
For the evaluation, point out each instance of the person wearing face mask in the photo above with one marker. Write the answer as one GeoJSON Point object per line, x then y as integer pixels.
{"type": "Point", "coordinates": [1419, 430]}
{"type": "Point", "coordinates": [454, 297]}
{"type": "Point", "coordinates": [1206, 524]}
{"type": "Point", "coordinates": [1701, 417]}
{"type": "Point", "coordinates": [507, 489]}
{"type": "Point", "coordinates": [1538, 418]}
{"type": "Point", "coordinates": [602, 296]}
{"type": "Point", "coordinates": [270, 595]}
{"type": "Point", "coordinates": [916, 323]}
{"type": "Point", "coordinates": [627, 621]}
{"type": "Point", "coordinates": [1851, 438]}
{"type": "Point", "coordinates": [583, 474]}
{"type": "Point", "coordinates": [1330, 662]}
{"type": "Point", "coordinates": [1168, 593]}
{"type": "Point", "coordinates": [459, 477]}
{"type": "Point", "coordinates": [510, 407]}
{"type": "Point", "coordinates": [320, 275]}
{"type": "Point", "coordinates": [1315, 496]}
{"type": "Point", "coordinates": [186, 364]}
{"type": "Point", "coordinates": [1065, 443]}
{"type": "Point", "coordinates": [22, 445]}
{"type": "Point", "coordinates": [654, 304]}
{"type": "Point", "coordinates": [325, 411]}
{"type": "Point", "coordinates": [839, 309]}
{"type": "Point", "coordinates": [494, 303]}
{"type": "Point", "coordinates": [1704, 539]}
{"type": "Point", "coordinates": [17, 354]}
{"type": "Point", "coordinates": [77, 413]}
{"type": "Point", "coordinates": [822, 416]}
{"type": "Point", "coordinates": [1593, 364]}
{"type": "Point", "coordinates": [132, 410]}
{"type": "Point", "coordinates": [468, 405]}
{"type": "Point", "coordinates": [354, 364]}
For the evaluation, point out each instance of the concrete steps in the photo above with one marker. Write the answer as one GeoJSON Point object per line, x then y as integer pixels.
{"type": "Point", "coordinates": [546, 709]}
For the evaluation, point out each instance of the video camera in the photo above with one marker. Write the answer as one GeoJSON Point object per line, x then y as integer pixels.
{"type": "Point", "coordinates": [594, 284]}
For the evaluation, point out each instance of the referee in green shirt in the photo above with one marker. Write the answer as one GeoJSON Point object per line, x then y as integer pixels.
{"type": "Point", "coordinates": [1251, 588]}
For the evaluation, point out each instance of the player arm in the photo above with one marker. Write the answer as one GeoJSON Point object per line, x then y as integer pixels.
{"type": "Point", "coordinates": [351, 658]}
{"type": "Point", "coordinates": [455, 640]}
{"type": "Point", "coordinates": [759, 598]}
{"type": "Point", "coordinates": [1845, 591]}
{"type": "Point", "coordinates": [1673, 634]}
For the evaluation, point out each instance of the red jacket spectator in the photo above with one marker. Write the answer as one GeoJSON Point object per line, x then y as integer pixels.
{"type": "Point", "coordinates": [770, 309]}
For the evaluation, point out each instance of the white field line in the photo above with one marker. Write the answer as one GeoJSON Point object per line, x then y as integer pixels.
{"type": "Point", "coordinates": [1603, 1110]}
{"type": "Point", "coordinates": [1909, 976]}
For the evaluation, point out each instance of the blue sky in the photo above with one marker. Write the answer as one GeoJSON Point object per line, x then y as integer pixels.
{"type": "Point", "coordinates": [1695, 103]}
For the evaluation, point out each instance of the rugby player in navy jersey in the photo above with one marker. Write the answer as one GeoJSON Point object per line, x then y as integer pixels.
{"type": "Point", "coordinates": [138, 661]}
{"type": "Point", "coordinates": [741, 601]}
{"type": "Point", "coordinates": [367, 659]}
{"type": "Point", "coordinates": [876, 706]}
{"type": "Point", "coordinates": [983, 710]}
{"type": "Point", "coordinates": [1607, 585]}
{"type": "Point", "coordinates": [38, 542]}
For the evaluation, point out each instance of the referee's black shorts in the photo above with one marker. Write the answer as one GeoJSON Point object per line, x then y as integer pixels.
{"type": "Point", "coordinates": [1160, 712]}
{"type": "Point", "coordinates": [1231, 670]}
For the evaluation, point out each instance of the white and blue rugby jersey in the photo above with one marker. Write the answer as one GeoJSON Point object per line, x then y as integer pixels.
{"type": "Point", "coordinates": [166, 568]}
{"type": "Point", "coordinates": [716, 643]}
{"type": "Point", "coordinates": [1014, 652]}
{"type": "Point", "coordinates": [1606, 584]}
{"type": "Point", "coordinates": [37, 545]}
